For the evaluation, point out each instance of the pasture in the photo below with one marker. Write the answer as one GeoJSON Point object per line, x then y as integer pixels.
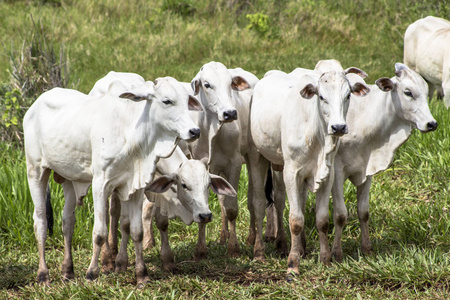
{"type": "Point", "coordinates": [410, 202]}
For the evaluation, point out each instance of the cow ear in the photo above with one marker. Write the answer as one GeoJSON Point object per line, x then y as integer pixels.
{"type": "Point", "coordinates": [238, 83]}
{"type": "Point", "coordinates": [132, 96]}
{"type": "Point", "coordinates": [309, 91]}
{"type": "Point", "coordinates": [360, 89]}
{"type": "Point", "coordinates": [399, 68]}
{"type": "Point", "coordinates": [385, 84]}
{"type": "Point", "coordinates": [195, 85]}
{"type": "Point", "coordinates": [161, 184]}
{"type": "Point", "coordinates": [356, 71]}
{"type": "Point", "coordinates": [194, 104]}
{"type": "Point", "coordinates": [221, 187]}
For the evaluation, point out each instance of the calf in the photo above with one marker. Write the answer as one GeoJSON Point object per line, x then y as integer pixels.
{"type": "Point", "coordinates": [110, 142]}
{"type": "Point", "coordinates": [295, 124]}
{"type": "Point", "coordinates": [426, 50]}
{"type": "Point", "coordinates": [378, 125]}
{"type": "Point", "coordinates": [223, 142]}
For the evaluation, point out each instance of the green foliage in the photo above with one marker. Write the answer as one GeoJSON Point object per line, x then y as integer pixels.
{"type": "Point", "coordinates": [181, 7]}
{"type": "Point", "coordinates": [34, 68]}
{"type": "Point", "coordinates": [258, 22]}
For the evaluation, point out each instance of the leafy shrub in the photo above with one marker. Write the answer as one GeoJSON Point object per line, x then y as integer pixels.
{"type": "Point", "coordinates": [181, 7]}
{"type": "Point", "coordinates": [258, 22]}
{"type": "Point", "coordinates": [34, 68]}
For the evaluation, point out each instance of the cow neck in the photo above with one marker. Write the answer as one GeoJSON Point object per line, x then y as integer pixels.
{"type": "Point", "coordinates": [146, 145]}
{"type": "Point", "coordinates": [169, 165]}
{"type": "Point", "coordinates": [209, 121]}
{"type": "Point", "coordinates": [387, 131]}
{"type": "Point", "coordinates": [328, 148]}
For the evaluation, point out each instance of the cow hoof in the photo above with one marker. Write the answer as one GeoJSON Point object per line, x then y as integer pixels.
{"type": "Point", "coordinates": [200, 255]}
{"type": "Point", "coordinates": [290, 276]}
{"type": "Point", "coordinates": [282, 247]}
{"type": "Point", "coordinates": [368, 251]}
{"type": "Point", "coordinates": [91, 276]}
{"type": "Point", "coordinates": [338, 256]}
{"type": "Point", "coordinates": [251, 239]}
{"type": "Point", "coordinates": [68, 276]}
{"type": "Point", "coordinates": [43, 278]}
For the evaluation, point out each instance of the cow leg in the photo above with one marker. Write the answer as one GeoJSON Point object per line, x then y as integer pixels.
{"type": "Point", "coordinates": [431, 89]}
{"type": "Point", "coordinates": [109, 248]}
{"type": "Point", "coordinates": [201, 252]}
{"type": "Point", "coordinates": [37, 181]}
{"type": "Point", "coordinates": [297, 193]}
{"type": "Point", "coordinates": [323, 219]}
{"type": "Point", "coordinates": [446, 85]}
{"type": "Point", "coordinates": [68, 223]}
{"type": "Point", "coordinates": [230, 205]}
{"type": "Point", "coordinates": [279, 197]}
{"type": "Point", "coordinates": [258, 166]}
{"type": "Point", "coordinates": [148, 214]}
{"type": "Point", "coordinates": [100, 231]}
{"type": "Point", "coordinates": [122, 255]}
{"type": "Point", "coordinates": [224, 233]}
{"type": "Point", "coordinates": [271, 219]}
{"type": "Point", "coordinates": [362, 194]}
{"type": "Point", "coordinates": [250, 198]}
{"type": "Point", "coordinates": [114, 215]}
{"type": "Point", "coordinates": [136, 231]}
{"type": "Point", "coordinates": [340, 215]}
{"type": "Point", "coordinates": [167, 258]}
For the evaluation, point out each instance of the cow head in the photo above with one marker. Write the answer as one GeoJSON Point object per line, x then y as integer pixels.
{"type": "Point", "coordinates": [214, 84]}
{"type": "Point", "coordinates": [409, 95]}
{"type": "Point", "coordinates": [333, 91]}
{"type": "Point", "coordinates": [192, 181]}
{"type": "Point", "coordinates": [170, 103]}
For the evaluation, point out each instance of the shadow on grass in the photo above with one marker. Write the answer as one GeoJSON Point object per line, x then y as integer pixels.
{"type": "Point", "coordinates": [14, 276]}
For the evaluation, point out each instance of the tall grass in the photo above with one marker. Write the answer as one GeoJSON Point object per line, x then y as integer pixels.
{"type": "Point", "coordinates": [409, 204]}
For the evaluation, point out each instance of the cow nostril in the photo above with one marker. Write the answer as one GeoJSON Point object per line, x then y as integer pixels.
{"type": "Point", "coordinates": [194, 133]}
{"type": "Point", "coordinates": [339, 128]}
{"type": "Point", "coordinates": [205, 218]}
{"type": "Point", "coordinates": [230, 115]}
{"type": "Point", "coordinates": [431, 126]}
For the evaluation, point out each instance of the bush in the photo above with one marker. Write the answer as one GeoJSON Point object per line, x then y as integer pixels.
{"type": "Point", "coordinates": [258, 22]}
{"type": "Point", "coordinates": [34, 68]}
{"type": "Point", "coordinates": [182, 7]}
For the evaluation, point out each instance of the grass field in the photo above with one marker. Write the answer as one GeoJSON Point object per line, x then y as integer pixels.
{"type": "Point", "coordinates": [410, 202]}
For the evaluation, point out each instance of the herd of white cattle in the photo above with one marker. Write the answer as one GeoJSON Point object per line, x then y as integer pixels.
{"type": "Point", "coordinates": [169, 142]}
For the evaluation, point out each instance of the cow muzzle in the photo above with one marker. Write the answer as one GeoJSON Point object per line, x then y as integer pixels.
{"type": "Point", "coordinates": [194, 133]}
{"type": "Point", "coordinates": [205, 218]}
{"type": "Point", "coordinates": [431, 126]}
{"type": "Point", "coordinates": [339, 129]}
{"type": "Point", "coordinates": [230, 115]}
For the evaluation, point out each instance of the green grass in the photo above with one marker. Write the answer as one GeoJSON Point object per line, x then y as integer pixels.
{"type": "Point", "coordinates": [410, 206]}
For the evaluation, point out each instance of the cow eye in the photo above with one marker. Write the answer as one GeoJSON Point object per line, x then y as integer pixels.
{"type": "Point", "coordinates": [184, 186]}
{"type": "Point", "coordinates": [408, 93]}
{"type": "Point", "coordinates": [320, 97]}
{"type": "Point", "coordinates": [207, 85]}
{"type": "Point", "coordinates": [167, 102]}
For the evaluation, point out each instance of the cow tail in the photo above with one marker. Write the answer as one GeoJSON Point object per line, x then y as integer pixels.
{"type": "Point", "coordinates": [268, 187]}
{"type": "Point", "coordinates": [49, 212]}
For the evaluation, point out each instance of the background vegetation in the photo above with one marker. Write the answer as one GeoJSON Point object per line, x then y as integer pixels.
{"type": "Point", "coordinates": [74, 43]}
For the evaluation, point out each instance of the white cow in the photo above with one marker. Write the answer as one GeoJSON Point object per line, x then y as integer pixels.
{"type": "Point", "coordinates": [223, 125]}
{"type": "Point", "coordinates": [296, 122]}
{"type": "Point", "coordinates": [277, 191]}
{"type": "Point", "coordinates": [378, 125]}
{"type": "Point", "coordinates": [110, 142]}
{"type": "Point", "coordinates": [129, 81]}
{"type": "Point", "coordinates": [179, 193]}
{"type": "Point", "coordinates": [427, 51]}
{"type": "Point", "coordinates": [187, 197]}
